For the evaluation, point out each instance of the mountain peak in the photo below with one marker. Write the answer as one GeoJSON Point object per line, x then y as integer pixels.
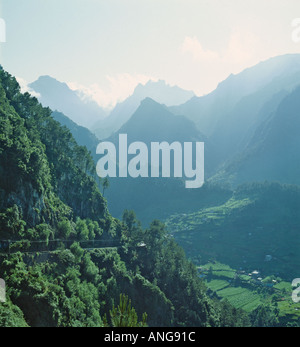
{"type": "Point", "coordinates": [153, 92]}
{"type": "Point", "coordinates": [149, 109]}
{"type": "Point", "coordinates": [149, 101]}
{"type": "Point", "coordinates": [46, 82]}
{"type": "Point", "coordinates": [162, 92]}
{"type": "Point", "coordinates": [47, 78]}
{"type": "Point", "coordinates": [58, 96]}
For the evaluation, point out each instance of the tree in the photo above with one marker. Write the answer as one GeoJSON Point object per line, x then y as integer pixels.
{"type": "Point", "coordinates": [82, 229]}
{"type": "Point", "coordinates": [105, 185]}
{"type": "Point", "coordinates": [264, 316]}
{"type": "Point", "coordinates": [125, 316]}
{"type": "Point", "coordinates": [64, 228]}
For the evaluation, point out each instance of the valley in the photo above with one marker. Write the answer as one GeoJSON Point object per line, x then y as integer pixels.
{"type": "Point", "coordinates": [235, 241]}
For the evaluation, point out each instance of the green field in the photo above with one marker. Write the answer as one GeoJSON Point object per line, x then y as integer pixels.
{"type": "Point", "coordinates": [247, 293]}
{"type": "Point", "coordinates": [241, 298]}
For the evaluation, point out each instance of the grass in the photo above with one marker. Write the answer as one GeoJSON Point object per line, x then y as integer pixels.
{"type": "Point", "coordinates": [242, 298]}
{"type": "Point", "coordinates": [284, 286]}
{"type": "Point", "coordinates": [221, 282]}
{"type": "Point", "coordinates": [216, 285]}
{"type": "Point", "coordinates": [220, 270]}
{"type": "Point", "coordinates": [205, 216]}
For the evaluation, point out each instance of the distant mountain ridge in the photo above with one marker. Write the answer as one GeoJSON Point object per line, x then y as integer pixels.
{"type": "Point", "coordinates": [158, 91]}
{"type": "Point", "coordinates": [58, 96]}
{"type": "Point", "coordinates": [273, 153]}
{"type": "Point", "coordinates": [230, 115]}
{"type": "Point", "coordinates": [153, 121]}
{"type": "Point", "coordinates": [243, 124]}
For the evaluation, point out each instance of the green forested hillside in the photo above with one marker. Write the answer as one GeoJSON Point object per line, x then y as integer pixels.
{"type": "Point", "coordinates": [83, 136]}
{"type": "Point", "coordinates": [257, 228]}
{"type": "Point", "coordinates": [64, 258]}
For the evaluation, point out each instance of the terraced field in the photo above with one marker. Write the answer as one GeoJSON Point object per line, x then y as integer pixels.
{"type": "Point", "coordinates": [241, 298]}
{"type": "Point", "coordinates": [250, 293]}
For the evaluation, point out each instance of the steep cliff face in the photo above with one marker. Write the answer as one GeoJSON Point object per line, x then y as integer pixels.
{"type": "Point", "coordinates": [29, 201]}
{"type": "Point", "coordinates": [44, 174]}
{"type": "Point", "coordinates": [24, 172]}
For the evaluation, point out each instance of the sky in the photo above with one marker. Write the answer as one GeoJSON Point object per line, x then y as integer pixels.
{"type": "Point", "coordinates": [106, 47]}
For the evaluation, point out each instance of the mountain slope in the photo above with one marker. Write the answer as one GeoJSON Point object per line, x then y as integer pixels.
{"type": "Point", "coordinates": [230, 115]}
{"type": "Point", "coordinates": [158, 91]}
{"type": "Point", "coordinates": [58, 96]}
{"type": "Point", "coordinates": [154, 122]}
{"type": "Point", "coordinates": [273, 152]}
{"type": "Point", "coordinates": [82, 135]}
{"type": "Point", "coordinates": [156, 197]}
{"type": "Point", "coordinates": [146, 197]}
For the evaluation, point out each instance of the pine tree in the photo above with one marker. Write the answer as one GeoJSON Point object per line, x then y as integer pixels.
{"type": "Point", "coordinates": [125, 315]}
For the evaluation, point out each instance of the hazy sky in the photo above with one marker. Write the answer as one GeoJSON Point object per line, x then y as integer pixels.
{"type": "Point", "coordinates": [106, 47]}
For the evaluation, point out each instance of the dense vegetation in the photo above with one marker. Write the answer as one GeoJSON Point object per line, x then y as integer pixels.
{"type": "Point", "coordinates": [259, 224]}
{"type": "Point", "coordinates": [48, 193]}
{"type": "Point", "coordinates": [255, 230]}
